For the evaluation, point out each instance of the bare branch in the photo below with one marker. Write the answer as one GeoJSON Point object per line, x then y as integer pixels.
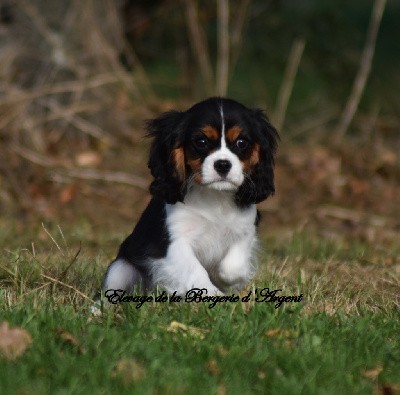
{"type": "Point", "coordinates": [223, 47]}
{"type": "Point", "coordinates": [109, 176]}
{"type": "Point", "coordinates": [199, 44]}
{"type": "Point", "coordinates": [313, 123]}
{"type": "Point", "coordinates": [237, 32]}
{"type": "Point", "coordinates": [286, 88]}
{"type": "Point", "coordinates": [70, 115]}
{"type": "Point", "coordinates": [65, 168]}
{"type": "Point", "coordinates": [363, 71]}
{"type": "Point", "coordinates": [62, 87]}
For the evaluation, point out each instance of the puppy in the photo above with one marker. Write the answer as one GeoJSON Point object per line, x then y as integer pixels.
{"type": "Point", "coordinates": [211, 164]}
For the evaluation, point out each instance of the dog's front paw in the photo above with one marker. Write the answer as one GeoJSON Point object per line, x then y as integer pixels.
{"type": "Point", "coordinates": [212, 290]}
{"type": "Point", "coordinates": [216, 292]}
{"type": "Point", "coordinates": [209, 290]}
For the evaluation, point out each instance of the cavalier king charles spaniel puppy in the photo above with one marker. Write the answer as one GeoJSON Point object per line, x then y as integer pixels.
{"type": "Point", "coordinates": [211, 164]}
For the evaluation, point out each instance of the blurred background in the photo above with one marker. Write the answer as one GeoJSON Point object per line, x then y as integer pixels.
{"type": "Point", "coordinates": [78, 78]}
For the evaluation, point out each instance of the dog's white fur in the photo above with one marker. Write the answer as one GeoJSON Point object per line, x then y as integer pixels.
{"type": "Point", "coordinates": [212, 244]}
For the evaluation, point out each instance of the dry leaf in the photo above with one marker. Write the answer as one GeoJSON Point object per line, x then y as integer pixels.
{"type": "Point", "coordinates": [213, 368]}
{"type": "Point", "coordinates": [372, 373]}
{"type": "Point", "coordinates": [178, 327]}
{"type": "Point", "coordinates": [389, 260]}
{"type": "Point", "coordinates": [261, 375]}
{"type": "Point", "coordinates": [221, 389]}
{"type": "Point", "coordinates": [280, 333]}
{"type": "Point", "coordinates": [67, 194]}
{"type": "Point", "coordinates": [122, 101]}
{"type": "Point", "coordinates": [174, 326]}
{"type": "Point", "coordinates": [69, 339]}
{"type": "Point", "coordinates": [387, 157]}
{"type": "Point", "coordinates": [359, 187]}
{"type": "Point", "coordinates": [129, 371]}
{"type": "Point", "coordinates": [222, 351]}
{"type": "Point", "coordinates": [388, 389]}
{"type": "Point", "coordinates": [88, 159]}
{"type": "Point", "coordinates": [13, 342]}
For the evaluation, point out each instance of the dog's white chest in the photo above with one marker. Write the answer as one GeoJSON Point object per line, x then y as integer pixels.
{"type": "Point", "coordinates": [210, 224]}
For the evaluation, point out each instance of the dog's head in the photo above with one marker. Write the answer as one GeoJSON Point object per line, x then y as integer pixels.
{"type": "Point", "coordinates": [219, 144]}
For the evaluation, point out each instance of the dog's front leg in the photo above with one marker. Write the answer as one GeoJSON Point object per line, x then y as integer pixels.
{"type": "Point", "coordinates": [237, 267]}
{"type": "Point", "coordinates": [181, 271]}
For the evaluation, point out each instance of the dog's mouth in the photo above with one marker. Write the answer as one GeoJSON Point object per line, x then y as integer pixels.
{"type": "Point", "coordinates": [223, 184]}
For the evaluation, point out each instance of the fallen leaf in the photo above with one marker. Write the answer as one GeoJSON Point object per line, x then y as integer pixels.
{"type": "Point", "coordinates": [372, 373]}
{"type": "Point", "coordinates": [88, 159]}
{"type": "Point", "coordinates": [174, 326]}
{"type": "Point", "coordinates": [13, 342]}
{"type": "Point", "coordinates": [70, 340]}
{"type": "Point", "coordinates": [129, 371]}
{"type": "Point", "coordinates": [213, 368]}
{"type": "Point", "coordinates": [64, 335]}
{"type": "Point", "coordinates": [280, 333]}
{"type": "Point", "coordinates": [389, 260]}
{"type": "Point", "coordinates": [67, 194]}
{"type": "Point", "coordinates": [273, 332]}
{"type": "Point", "coordinates": [358, 186]}
{"type": "Point", "coordinates": [388, 389]}
{"type": "Point", "coordinates": [261, 375]}
{"type": "Point", "coordinates": [323, 164]}
{"type": "Point", "coordinates": [178, 327]}
{"type": "Point", "coordinates": [221, 390]}
{"type": "Point", "coordinates": [222, 351]}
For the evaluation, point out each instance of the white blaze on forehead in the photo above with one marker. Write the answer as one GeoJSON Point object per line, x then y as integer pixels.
{"type": "Point", "coordinates": [210, 176]}
{"type": "Point", "coordinates": [223, 143]}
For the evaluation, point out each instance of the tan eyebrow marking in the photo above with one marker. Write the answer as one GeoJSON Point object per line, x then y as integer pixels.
{"type": "Point", "coordinates": [233, 133]}
{"type": "Point", "coordinates": [211, 132]}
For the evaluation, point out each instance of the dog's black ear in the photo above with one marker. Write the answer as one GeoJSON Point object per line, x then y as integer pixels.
{"type": "Point", "coordinates": [259, 183]}
{"type": "Point", "coordinates": [167, 158]}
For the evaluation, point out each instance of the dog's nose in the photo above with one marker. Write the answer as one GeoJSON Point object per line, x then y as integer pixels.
{"type": "Point", "coordinates": [222, 166]}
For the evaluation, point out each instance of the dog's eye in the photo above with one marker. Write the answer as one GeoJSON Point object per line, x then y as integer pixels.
{"type": "Point", "coordinates": [200, 142]}
{"type": "Point", "coordinates": [242, 144]}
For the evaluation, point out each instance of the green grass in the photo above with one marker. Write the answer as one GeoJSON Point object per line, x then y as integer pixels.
{"type": "Point", "coordinates": [347, 324]}
{"type": "Point", "coordinates": [322, 354]}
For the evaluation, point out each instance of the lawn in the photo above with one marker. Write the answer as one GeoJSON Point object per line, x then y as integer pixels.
{"type": "Point", "coordinates": [343, 337]}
